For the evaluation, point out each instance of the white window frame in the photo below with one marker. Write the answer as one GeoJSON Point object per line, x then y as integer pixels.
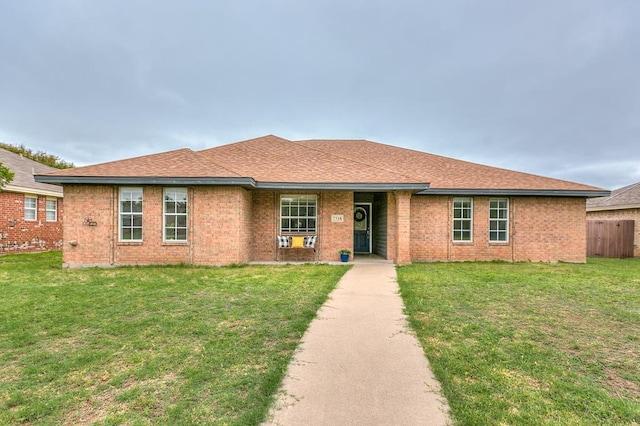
{"type": "Point", "coordinates": [52, 210]}
{"type": "Point", "coordinates": [32, 209]}
{"type": "Point", "coordinates": [291, 219]}
{"type": "Point", "coordinates": [127, 194]}
{"type": "Point", "coordinates": [466, 215]}
{"type": "Point", "coordinates": [499, 220]}
{"type": "Point", "coordinates": [173, 213]}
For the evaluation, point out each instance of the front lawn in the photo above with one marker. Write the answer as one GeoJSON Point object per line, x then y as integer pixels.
{"type": "Point", "coordinates": [531, 343]}
{"type": "Point", "coordinates": [149, 345]}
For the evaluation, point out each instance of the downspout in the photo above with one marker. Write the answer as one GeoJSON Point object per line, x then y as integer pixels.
{"type": "Point", "coordinates": [449, 227]}
{"type": "Point", "coordinates": [114, 227]}
{"type": "Point", "coordinates": [512, 223]}
{"type": "Point", "coordinates": [190, 212]}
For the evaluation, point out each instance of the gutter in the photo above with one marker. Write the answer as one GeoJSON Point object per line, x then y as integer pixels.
{"type": "Point", "coordinates": [34, 191]}
{"type": "Point", "coordinates": [516, 192]}
{"type": "Point", "coordinates": [247, 183]}
{"type": "Point", "coordinates": [617, 207]}
{"type": "Point", "coordinates": [347, 186]}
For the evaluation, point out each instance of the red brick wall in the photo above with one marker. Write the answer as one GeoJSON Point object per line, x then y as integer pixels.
{"type": "Point", "coordinates": [18, 235]}
{"type": "Point", "coordinates": [403, 227]}
{"type": "Point", "coordinates": [219, 228]}
{"type": "Point", "coordinates": [221, 225]}
{"type": "Point", "coordinates": [335, 235]}
{"type": "Point", "coordinates": [233, 225]}
{"type": "Point", "coordinates": [547, 229]}
{"type": "Point", "coordinates": [264, 217]}
{"type": "Point", "coordinates": [624, 214]}
{"type": "Point", "coordinates": [152, 250]}
{"type": "Point", "coordinates": [89, 245]}
{"type": "Point", "coordinates": [332, 236]}
{"type": "Point", "coordinates": [550, 229]}
{"type": "Point", "coordinates": [392, 226]}
{"type": "Point", "coordinates": [430, 227]}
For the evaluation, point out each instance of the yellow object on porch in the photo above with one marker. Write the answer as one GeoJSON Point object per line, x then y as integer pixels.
{"type": "Point", "coordinates": [297, 242]}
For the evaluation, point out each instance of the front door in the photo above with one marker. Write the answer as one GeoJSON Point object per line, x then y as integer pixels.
{"type": "Point", "coordinates": [362, 228]}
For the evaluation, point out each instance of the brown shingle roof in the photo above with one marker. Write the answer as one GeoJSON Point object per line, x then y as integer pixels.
{"type": "Point", "coordinates": [179, 163]}
{"type": "Point", "coordinates": [274, 159]}
{"type": "Point", "coordinates": [271, 160]}
{"type": "Point", "coordinates": [440, 172]}
{"type": "Point", "coordinates": [23, 170]}
{"type": "Point", "coordinates": [627, 197]}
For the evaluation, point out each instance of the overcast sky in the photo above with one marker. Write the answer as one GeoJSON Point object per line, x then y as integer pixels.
{"type": "Point", "coordinates": [550, 87]}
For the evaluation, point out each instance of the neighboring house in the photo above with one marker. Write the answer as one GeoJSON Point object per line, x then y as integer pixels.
{"type": "Point", "coordinates": [30, 211]}
{"type": "Point", "coordinates": [622, 204]}
{"type": "Point", "coordinates": [229, 204]}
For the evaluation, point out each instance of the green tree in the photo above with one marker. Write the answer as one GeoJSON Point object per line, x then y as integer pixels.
{"type": "Point", "coordinates": [39, 156]}
{"type": "Point", "coordinates": [6, 176]}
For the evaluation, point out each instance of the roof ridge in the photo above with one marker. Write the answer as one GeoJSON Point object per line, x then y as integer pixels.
{"type": "Point", "coordinates": [456, 160]}
{"type": "Point", "coordinates": [244, 141]}
{"type": "Point", "coordinates": [357, 161]}
{"type": "Point", "coordinates": [203, 157]}
{"type": "Point", "coordinates": [21, 157]}
{"type": "Point", "coordinates": [625, 190]}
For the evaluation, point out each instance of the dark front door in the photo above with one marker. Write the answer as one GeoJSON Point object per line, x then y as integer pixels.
{"type": "Point", "coordinates": [362, 228]}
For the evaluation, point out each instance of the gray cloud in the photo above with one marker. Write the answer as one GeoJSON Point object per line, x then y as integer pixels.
{"type": "Point", "coordinates": [546, 87]}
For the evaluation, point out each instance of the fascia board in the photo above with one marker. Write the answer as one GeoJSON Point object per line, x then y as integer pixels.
{"type": "Point", "coordinates": [347, 186]}
{"type": "Point", "coordinates": [517, 192]}
{"type": "Point", "coordinates": [144, 180]}
{"type": "Point", "coordinates": [34, 191]}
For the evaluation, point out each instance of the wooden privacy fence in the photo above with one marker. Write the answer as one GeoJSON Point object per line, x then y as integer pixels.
{"type": "Point", "coordinates": [610, 238]}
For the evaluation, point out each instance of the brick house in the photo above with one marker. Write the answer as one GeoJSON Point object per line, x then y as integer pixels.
{"type": "Point", "coordinates": [30, 211]}
{"type": "Point", "coordinates": [230, 204]}
{"type": "Point", "coordinates": [622, 204]}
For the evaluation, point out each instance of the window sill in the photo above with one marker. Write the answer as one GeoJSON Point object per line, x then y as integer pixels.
{"type": "Point", "coordinates": [174, 243]}
{"type": "Point", "coordinates": [129, 243]}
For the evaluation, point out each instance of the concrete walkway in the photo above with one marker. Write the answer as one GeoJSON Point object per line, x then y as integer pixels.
{"type": "Point", "coordinates": [358, 364]}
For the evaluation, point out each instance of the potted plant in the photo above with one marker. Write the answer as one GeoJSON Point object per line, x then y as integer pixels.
{"type": "Point", "coordinates": [344, 255]}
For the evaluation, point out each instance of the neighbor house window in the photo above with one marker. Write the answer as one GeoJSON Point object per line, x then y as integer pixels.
{"type": "Point", "coordinates": [52, 210]}
{"type": "Point", "coordinates": [462, 219]}
{"type": "Point", "coordinates": [130, 214]}
{"type": "Point", "coordinates": [298, 213]}
{"type": "Point", "coordinates": [30, 207]}
{"type": "Point", "coordinates": [175, 214]}
{"type": "Point", "coordinates": [498, 220]}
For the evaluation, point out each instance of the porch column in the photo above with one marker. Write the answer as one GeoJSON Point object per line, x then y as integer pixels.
{"type": "Point", "coordinates": [403, 227]}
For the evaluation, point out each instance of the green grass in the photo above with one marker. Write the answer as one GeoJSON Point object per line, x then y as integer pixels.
{"type": "Point", "coordinates": [531, 343]}
{"type": "Point", "coordinates": [149, 345]}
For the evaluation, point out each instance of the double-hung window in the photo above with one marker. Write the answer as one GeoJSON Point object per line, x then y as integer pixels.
{"type": "Point", "coordinates": [175, 215]}
{"type": "Point", "coordinates": [52, 210]}
{"type": "Point", "coordinates": [462, 219]}
{"type": "Point", "coordinates": [298, 213]}
{"type": "Point", "coordinates": [130, 214]}
{"type": "Point", "coordinates": [499, 220]}
{"type": "Point", "coordinates": [30, 207]}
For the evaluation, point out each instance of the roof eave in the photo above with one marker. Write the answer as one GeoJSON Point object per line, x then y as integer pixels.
{"type": "Point", "coordinates": [35, 191]}
{"type": "Point", "coordinates": [617, 207]}
{"type": "Point", "coordinates": [517, 192]}
{"type": "Point", "coordinates": [344, 186]}
{"type": "Point", "coordinates": [248, 183]}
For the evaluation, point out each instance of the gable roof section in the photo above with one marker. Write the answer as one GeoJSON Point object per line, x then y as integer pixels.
{"type": "Point", "coordinates": [627, 197]}
{"type": "Point", "coordinates": [23, 179]}
{"type": "Point", "coordinates": [179, 167]}
{"type": "Point", "coordinates": [274, 162]}
{"type": "Point", "coordinates": [450, 176]}
{"type": "Point", "coordinates": [359, 165]}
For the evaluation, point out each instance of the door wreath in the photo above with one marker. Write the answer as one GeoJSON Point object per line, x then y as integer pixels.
{"type": "Point", "coordinates": [360, 214]}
